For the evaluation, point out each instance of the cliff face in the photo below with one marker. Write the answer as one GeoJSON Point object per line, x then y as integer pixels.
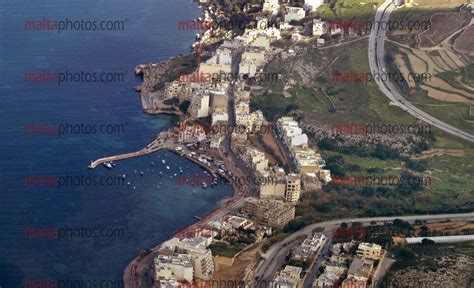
{"type": "Point", "coordinates": [154, 76]}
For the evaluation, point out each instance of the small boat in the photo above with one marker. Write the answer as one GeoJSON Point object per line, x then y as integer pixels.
{"type": "Point", "coordinates": [163, 161]}
{"type": "Point", "coordinates": [168, 167]}
{"type": "Point", "coordinates": [128, 183]}
{"type": "Point", "coordinates": [204, 185]}
{"type": "Point", "coordinates": [152, 163]}
{"type": "Point", "coordinates": [134, 187]}
{"type": "Point", "coordinates": [141, 173]}
{"type": "Point", "coordinates": [124, 176]}
{"type": "Point", "coordinates": [113, 163]}
{"type": "Point", "coordinates": [197, 217]}
{"type": "Point", "coordinates": [107, 165]}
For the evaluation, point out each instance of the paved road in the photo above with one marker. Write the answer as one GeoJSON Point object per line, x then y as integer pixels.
{"type": "Point", "coordinates": [274, 253]}
{"type": "Point", "coordinates": [377, 66]}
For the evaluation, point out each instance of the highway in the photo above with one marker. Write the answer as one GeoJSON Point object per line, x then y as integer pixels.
{"type": "Point", "coordinates": [275, 255]}
{"type": "Point", "coordinates": [377, 67]}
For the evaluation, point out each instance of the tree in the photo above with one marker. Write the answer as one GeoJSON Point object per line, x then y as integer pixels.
{"type": "Point", "coordinates": [184, 106]}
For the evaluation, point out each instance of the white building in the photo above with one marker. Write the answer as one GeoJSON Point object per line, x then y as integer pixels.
{"type": "Point", "coordinates": [174, 267]}
{"type": "Point", "coordinates": [292, 134]}
{"type": "Point", "coordinates": [312, 5]}
{"type": "Point", "coordinates": [251, 121]}
{"type": "Point", "coordinates": [319, 27]}
{"type": "Point", "coordinates": [294, 14]}
{"type": "Point", "coordinates": [256, 159]}
{"type": "Point", "coordinates": [369, 251]}
{"type": "Point", "coordinates": [219, 117]}
{"type": "Point", "coordinates": [200, 105]}
{"type": "Point", "coordinates": [309, 247]}
{"type": "Point", "coordinates": [200, 256]}
{"type": "Point", "coordinates": [288, 277]}
{"type": "Point", "coordinates": [248, 66]}
{"type": "Point", "coordinates": [271, 6]}
{"type": "Point", "coordinates": [223, 56]}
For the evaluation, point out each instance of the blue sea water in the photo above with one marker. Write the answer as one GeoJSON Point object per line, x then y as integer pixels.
{"type": "Point", "coordinates": [150, 213]}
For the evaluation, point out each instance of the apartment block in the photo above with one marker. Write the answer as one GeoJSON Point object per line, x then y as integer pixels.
{"type": "Point", "coordinates": [288, 277]}
{"type": "Point", "coordinates": [369, 251]}
{"type": "Point", "coordinates": [293, 188]}
{"type": "Point", "coordinates": [256, 159]}
{"type": "Point", "coordinates": [251, 121]}
{"type": "Point", "coordinates": [173, 267]}
{"type": "Point", "coordinates": [223, 56]}
{"type": "Point", "coordinates": [271, 212]}
{"type": "Point", "coordinates": [200, 256]}
{"type": "Point", "coordinates": [292, 133]}
{"type": "Point", "coordinates": [199, 106]}
{"type": "Point", "coordinates": [309, 247]}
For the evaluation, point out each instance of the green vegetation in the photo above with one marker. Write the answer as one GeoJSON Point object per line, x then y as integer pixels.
{"type": "Point", "coordinates": [222, 249]}
{"type": "Point", "coordinates": [346, 9]}
{"type": "Point", "coordinates": [275, 238]}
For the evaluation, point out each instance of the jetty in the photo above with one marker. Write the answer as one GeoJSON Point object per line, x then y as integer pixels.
{"type": "Point", "coordinates": [156, 145]}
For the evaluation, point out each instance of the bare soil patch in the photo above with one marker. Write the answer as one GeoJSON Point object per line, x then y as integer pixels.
{"type": "Point", "coordinates": [443, 96]}
{"type": "Point", "coordinates": [464, 43]}
{"type": "Point", "coordinates": [439, 29]}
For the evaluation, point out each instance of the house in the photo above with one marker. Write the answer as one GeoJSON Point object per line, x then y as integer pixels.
{"type": "Point", "coordinates": [294, 14]}
{"type": "Point", "coordinates": [288, 277]}
{"type": "Point", "coordinates": [319, 27]}
{"type": "Point", "coordinates": [271, 6]}
{"type": "Point", "coordinates": [361, 268]}
{"type": "Point", "coordinates": [354, 282]}
{"type": "Point", "coordinates": [369, 251]}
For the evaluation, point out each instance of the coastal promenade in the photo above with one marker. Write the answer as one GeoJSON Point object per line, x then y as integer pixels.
{"type": "Point", "coordinates": [156, 145]}
{"type": "Point", "coordinates": [133, 273]}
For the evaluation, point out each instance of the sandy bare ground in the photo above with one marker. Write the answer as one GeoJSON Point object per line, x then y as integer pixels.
{"type": "Point", "coordinates": [465, 85]}
{"type": "Point", "coordinates": [441, 152]}
{"type": "Point", "coordinates": [403, 69]}
{"type": "Point", "coordinates": [271, 142]}
{"type": "Point", "coordinates": [443, 96]}
{"type": "Point", "coordinates": [242, 265]}
{"type": "Point", "coordinates": [432, 67]}
{"type": "Point", "coordinates": [452, 227]}
{"type": "Point", "coordinates": [439, 30]}
{"type": "Point", "coordinates": [464, 43]}
{"type": "Point", "coordinates": [438, 4]}
{"type": "Point", "coordinates": [459, 61]}
{"type": "Point", "coordinates": [438, 82]}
